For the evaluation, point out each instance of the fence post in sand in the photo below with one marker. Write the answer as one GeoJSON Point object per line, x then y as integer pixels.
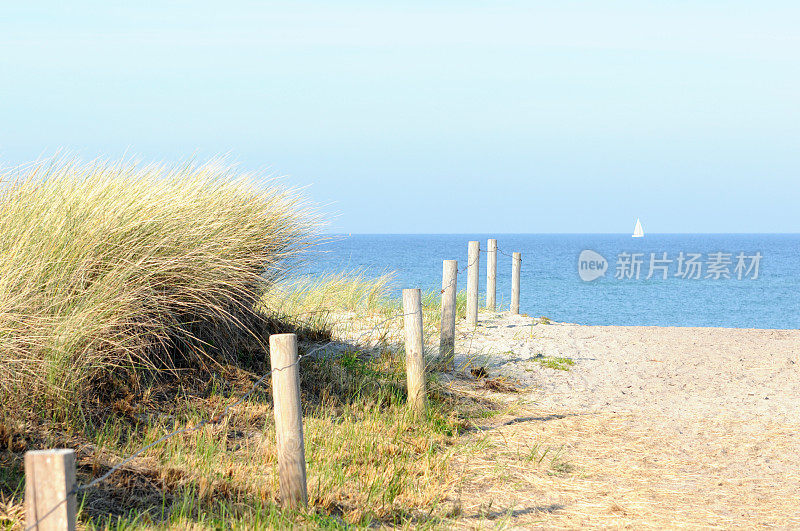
{"type": "Point", "coordinates": [50, 490]}
{"type": "Point", "coordinates": [473, 263]}
{"type": "Point", "coordinates": [415, 363]}
{"type": "Point", "coordinates": [447, 335]}
{"type": "Point", "coordinates": [288, 419]}
{"type": "Point", "coordinates": [516, 265]}
{"type": "Point", "coordinates": [491, 275]}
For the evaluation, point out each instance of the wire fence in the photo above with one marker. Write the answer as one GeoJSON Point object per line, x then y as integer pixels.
{"type": "Point", "coordinates": [511, 255]}
{"type": "Point", "coordinates": [470, 264]}
{"type": "Point", "coordinates": [218, 417]}
{"type": "Point", "coordinates": [460, 271]}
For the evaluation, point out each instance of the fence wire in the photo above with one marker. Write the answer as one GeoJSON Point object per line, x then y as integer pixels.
{"type": "Point", "coordinates": [217, 418]}
{"type": "Point", "coordinates": [509, 255]}
{"type": "Point", "coordinates": [458, 272]}
{"type": "Point", "coordinates": [466, 267]}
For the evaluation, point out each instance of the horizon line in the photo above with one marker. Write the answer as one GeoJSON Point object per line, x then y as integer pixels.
{"type": "Point", "coordinates": [555, 233]}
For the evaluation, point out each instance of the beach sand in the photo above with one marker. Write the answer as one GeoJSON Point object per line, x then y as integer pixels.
{"type": "Point", "coordinates": [651, 427]}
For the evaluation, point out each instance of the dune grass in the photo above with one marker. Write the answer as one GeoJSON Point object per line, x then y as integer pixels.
{"type": "Point", "coordinates": [341, 301]}
{"type": "Point", "coordinates": [109, 270]}
{"type": "Point", "coordinates": [343, 291]}
{"type": "Point", "coordinates": [369, 461]}
{"type": "Point", "coordinates": [135, 300]}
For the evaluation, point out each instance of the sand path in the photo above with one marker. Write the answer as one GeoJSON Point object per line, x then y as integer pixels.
{"type": "Point", "coordinates": [651, 427]}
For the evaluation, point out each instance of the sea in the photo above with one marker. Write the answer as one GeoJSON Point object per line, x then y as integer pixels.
{"type": "Point", "coordinates": [719, 280]}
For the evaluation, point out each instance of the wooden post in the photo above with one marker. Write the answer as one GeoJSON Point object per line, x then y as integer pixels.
{"type": "Point", "coordinates": [288, 419]}
{"type": "Point", "coordinates": [49, 478]}
{"type": "Point", "coordinates": [491, 274]}
{"type": "Point", "coordinates": [447, 336]}
{"type": "Point", "coordinates": [415, 363]}
{"type": "Point", "coordinates": [473, 263]}
{"type": "Point", "coordinates": [516, 265]}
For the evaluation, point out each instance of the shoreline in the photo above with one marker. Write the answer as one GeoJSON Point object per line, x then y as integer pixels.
{"type": "Point", "coordinates": [667, 326]}
{"type": "Point", "coordinates": [728, 360]}
{"type": "Point", "coordinates": [506, 314]}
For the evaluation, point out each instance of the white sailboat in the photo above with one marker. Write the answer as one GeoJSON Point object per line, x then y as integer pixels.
{"type": "Point", "coordinates": [638, 231]}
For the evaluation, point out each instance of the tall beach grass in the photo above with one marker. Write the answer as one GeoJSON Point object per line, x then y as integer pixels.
{"type": "Point", "coordinates": [338, 302]}
{"type": "Point", "coordinates": [110, 270]}
{"type": "Point", "coordinates": [135, 300]}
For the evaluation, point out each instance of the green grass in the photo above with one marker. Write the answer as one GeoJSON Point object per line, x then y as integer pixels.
{"type": "Point", "coordinates": [557, 466]}
{"type": "Point", "coordinates": [554, 362]}
{"type": "Point", "coordinates": [370, 462]}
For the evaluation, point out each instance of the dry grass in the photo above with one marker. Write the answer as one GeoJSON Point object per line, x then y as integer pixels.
{"type": "Point", "coordinates": [112, 275]}
{"type": "Point", "coordinates": [329, 298]}
{"type": "Point", "coordinates": [345, 291]}
{"type": "Point", "coordinates": [558, 470]}
{"type": "Point", "coordinates": [137, 300]}
{"type": "Point", "coordinates": [351, 305]}
{"type": "Point", "coordinates": [108, 269]}
{"type": "Point", "coordinates": [369, 462]}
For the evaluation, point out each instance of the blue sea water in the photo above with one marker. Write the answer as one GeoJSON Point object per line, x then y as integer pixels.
{"type": "Point", "coordinates": [551, 285]}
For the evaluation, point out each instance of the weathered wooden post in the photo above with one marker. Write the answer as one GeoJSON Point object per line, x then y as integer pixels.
{"type": "Point", "coordinates": [288, 419]}
{"type": "Point", "coordinates": [491, 274]}
{"type": "Point", "coordinates": [415, 363]}
{"type": "Point", "coordinates": [49, 490]}
{"type": "Point", "coordinates": [516, 265]}
{"type": "Point", "coordinates": [473, 263]}
{"type": "Point", "coordinates": [447, 335]}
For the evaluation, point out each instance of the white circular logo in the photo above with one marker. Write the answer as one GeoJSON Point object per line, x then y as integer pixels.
{"type": "Point", "coordinates": [591, 265]}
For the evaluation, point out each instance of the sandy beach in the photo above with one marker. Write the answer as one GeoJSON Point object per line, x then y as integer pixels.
{"type": "Point", "coordinates": [650, 427]}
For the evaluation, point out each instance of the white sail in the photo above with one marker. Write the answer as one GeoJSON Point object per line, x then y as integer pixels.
{"type": "Point", "coordinates": [638, 232]}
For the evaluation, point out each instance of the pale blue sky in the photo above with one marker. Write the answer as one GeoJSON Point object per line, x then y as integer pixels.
{"type": "Point", "coordinates": [559, 116]}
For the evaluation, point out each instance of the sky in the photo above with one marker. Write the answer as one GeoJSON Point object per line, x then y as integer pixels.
{"type": "Point", "coordinates": [433, 117]}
